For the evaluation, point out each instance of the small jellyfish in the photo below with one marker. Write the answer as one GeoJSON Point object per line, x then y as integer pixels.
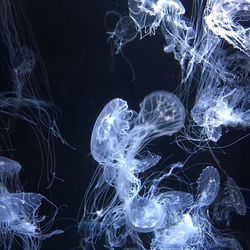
{"type": "Point", "coordinates": [208, 186]}
{"type": "Point", "coordinates": [231, 202]}
{"type": "Point", "coordinates": [123, 32]}
{"type": "Point", "coordinates": [234, 198]}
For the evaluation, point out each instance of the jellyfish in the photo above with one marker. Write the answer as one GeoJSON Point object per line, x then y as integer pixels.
{"type": "Point", "coordinates": [123, 207]}
{"type": "Point", "coordinates": [19, 211]}
{"type": "Point", "coordinates": [218, 106]}
{"type": "Point", "coordinates": [230, 20]}
{"type": "Point", "coordinates": [208, 186]}
{"type": "Point", "coordinates": [9, 172]}
{"type": "Point", "coordinates": [112, 201]}
{"type": "Point", "coordinates": [25, 80]}
{"type": "Point", "coordinates": [123, 32]}
{"type": "Point", "coordinates": [231, 202]}
{"type": "Point", "coordinates": [148, 14]}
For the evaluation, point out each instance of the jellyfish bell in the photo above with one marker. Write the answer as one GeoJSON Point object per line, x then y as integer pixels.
{"type": "Point", "coordinates": [8, 166]}
{"type": "Point", "coordinates": [161, 113]}
{"type": "Point", "coordinates": [208, 186]}
{"type": "Point", "coordinates": [110, 127]}
{"type": "Point", "coordinates": [234, 198]}
{"type": "Point", "coordinates": [144, 215]}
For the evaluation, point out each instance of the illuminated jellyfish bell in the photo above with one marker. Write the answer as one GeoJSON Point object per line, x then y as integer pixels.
{"type": "Point", "coordinates": [9, 171]}
{"type": "Point", "coordinates": [161, 113]}
{"type": "Point", "coordinates": [148, 14]}
{"type": "Point", "coordinates": [208, 186]}
{"type": "Point", "coordinates": [144, 215]}
{"type": "Point", "coordinates": [230, 20]}
{"type": "Point", "coordinates": [110, 127]}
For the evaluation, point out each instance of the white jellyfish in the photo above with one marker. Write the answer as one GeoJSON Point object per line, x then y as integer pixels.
{"type": "Point", "coordinates": [112, 200]}
{"type": "Point", "coordinates": [148, 14]}
{"type": "Point", "coordinates": [229, 19]}
{"type": "Point", "coordinates": [19, 211]}
{"type": "Point", "coordinates": [208, 186]}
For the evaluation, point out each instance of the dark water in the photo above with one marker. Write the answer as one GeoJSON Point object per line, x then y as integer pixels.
{"type": "Point", "coordinates": [73, 43]}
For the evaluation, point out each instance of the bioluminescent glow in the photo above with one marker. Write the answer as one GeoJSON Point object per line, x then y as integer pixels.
{"type": "Point", "coordinates": [229, 19]}
{"type": "Point", "coordinates": [19, 212]}
{"type": "Point", "coordinates": [26, 80]}
{"type": "Point", "coordinates": [122, 207]}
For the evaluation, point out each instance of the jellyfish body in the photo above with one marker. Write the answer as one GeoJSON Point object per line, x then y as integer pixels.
{"type": "Point", "coordinates": [208, 186]}
{"type": "Point", "coordinates": [231, 202]}
{"type": "Point", "coordinates": [123, 32]}
{"type": "Point", "coordinates": [217, 106]}
{"type": "Point", "coordinates": [230, 20]}
{"type": "Point", "coordinates": [110, 127]}
{"type": "Point", "coordinates": [19, 211]}
{"type": "Point", "coordinates": [148, 14]}
{"type": "Point", "coordinates": [123, 207]}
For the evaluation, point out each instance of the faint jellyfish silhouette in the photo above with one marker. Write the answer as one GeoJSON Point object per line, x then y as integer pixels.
{"type": "Point", "coordinates": [123, 32]}
{"type": "Point", "coordinates": [208, 186]}
{"type": "Point", "coordinates": [21, 98]}
{"type": "Point", "coordinates": [232, 202]}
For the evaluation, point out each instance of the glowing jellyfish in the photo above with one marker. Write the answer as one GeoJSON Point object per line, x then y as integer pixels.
{"type": "Point", "coordinates": [221, 106]}
{"type": "Point", "coordinates": [230, 20]}
{"type": "Point", "coordinates": [208, 186]}
{"type": "Point", "coordinates": [110, 127]}
{"type": "Point", "coordinates": [123, 32]}
{"type": "Point", "coordinates": [9, 172]}
{"type": "Point", "coordinates": [148, 14]}
{"type": "Point", "coordinates": [19, 211]}
{"type": "Point", "coordinates": [144, 215]}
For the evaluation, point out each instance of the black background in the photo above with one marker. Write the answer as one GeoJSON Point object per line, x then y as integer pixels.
{"type": "Point", "coordinates": [73, 43]}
